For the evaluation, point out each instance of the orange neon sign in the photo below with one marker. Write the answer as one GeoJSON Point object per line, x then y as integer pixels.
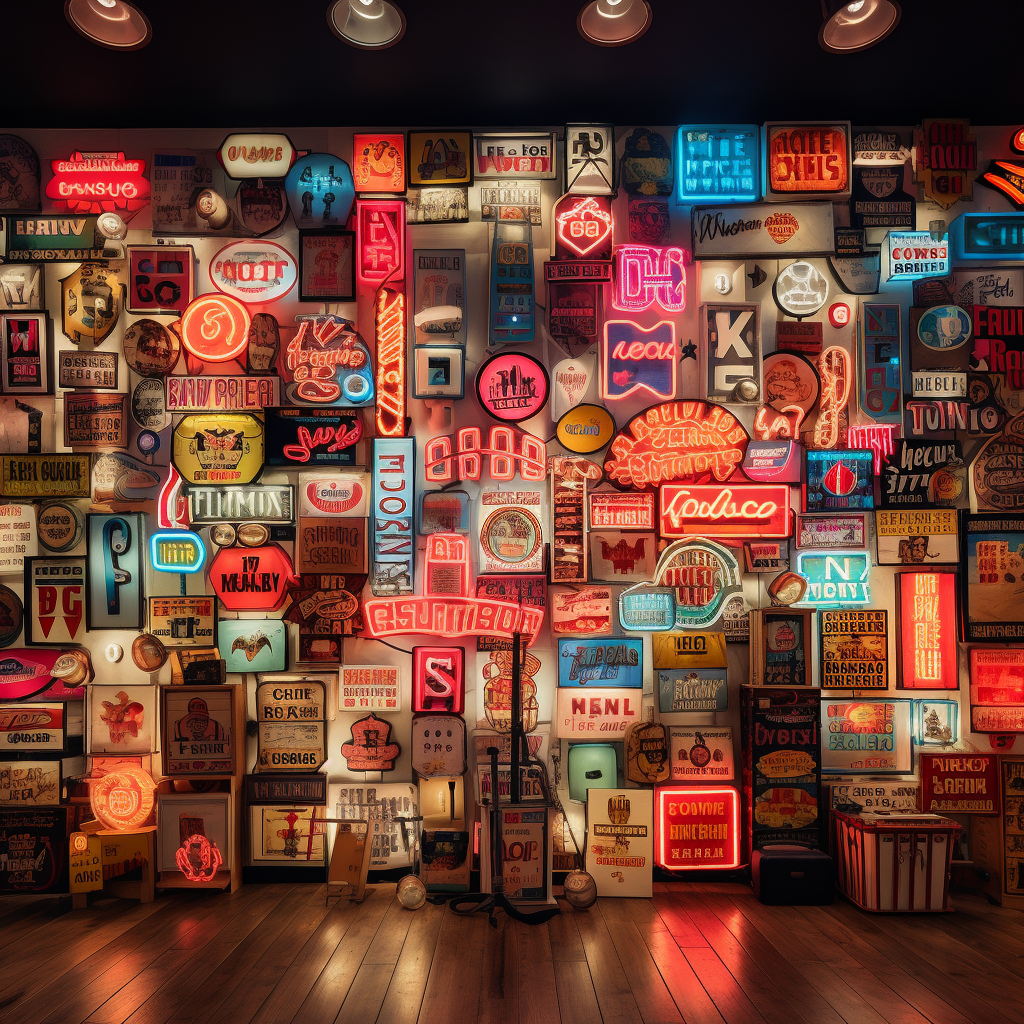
{"type": "Point", "coordinates": [834, 370]}
{"type": "Point", "coordinates": [215, 328]}
{"type": "Point", "coordinates": [123, 799]}
{"type": "Point", "coordinates": [389, 329]}
{"type": "Point", "coordinates": [507, 450]}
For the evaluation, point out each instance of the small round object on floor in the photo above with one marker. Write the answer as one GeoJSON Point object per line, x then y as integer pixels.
{"type": "Point", "coordinates": [580, 890]}
{"type": "Point", "coordinates": [412, 893]}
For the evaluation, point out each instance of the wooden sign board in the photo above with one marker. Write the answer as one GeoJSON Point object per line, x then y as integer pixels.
{"type": "Point", "coordinates": [959, 783]}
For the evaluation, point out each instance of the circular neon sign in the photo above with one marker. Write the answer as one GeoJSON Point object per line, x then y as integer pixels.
{"type": "Point", "coordinates": [215, 328]}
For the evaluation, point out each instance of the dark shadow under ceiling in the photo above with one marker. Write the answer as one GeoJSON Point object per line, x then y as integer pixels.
{"type": "Point", "coordinates": [256, 63]}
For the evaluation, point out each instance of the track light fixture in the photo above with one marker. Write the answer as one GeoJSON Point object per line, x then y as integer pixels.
{"type": "Point", "coordinates": [367, 24]}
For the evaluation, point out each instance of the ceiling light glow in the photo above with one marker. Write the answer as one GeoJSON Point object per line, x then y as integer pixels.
{"type": "Point", "coordinates": [614, 22]}
{"type": "Point", "coordinates": [115, 24]}
{"type": "Point", "coordinates": [850, 27]}
{"type": "Point", "coordinates": [367, 24]}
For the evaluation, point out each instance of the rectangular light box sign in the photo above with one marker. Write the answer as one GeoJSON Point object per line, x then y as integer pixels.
{"type": "Point", "coordinates": [718, 164]}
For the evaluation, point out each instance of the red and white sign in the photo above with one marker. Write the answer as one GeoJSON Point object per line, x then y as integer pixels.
{"type": "Point", "coordinates": [221, 394]}
{"type": "Point", "coordinates": [621, 510]}
{"type": "Point", "coordinates": [380, 240]}
{"type": "Point", "coordinates": [598, 713]}
{"type": "Point", "coordinates": [584, 611]}
{"type": "Point", "coordinates": [251, 579]}
{"type": "Point", "coordinates": [438, 679]}
{"type": "Point", "coordinates": [256, 155]}
{"type": "Point", "coordinates": [696, 827]}
{"type": "Point", "coordinates": [740, 510]}
{"type": "Point", "coordinates": [927, 631]}
{"type": "Point", "coordinates": [99, 183]}
{"type": "Point", "coordinates": [508, 451]}
{"type": "Point", "coordinates": [959, 783]}
{"type": "Point", "coordinates": [215, 328]}
{"type": "Point", "coordinates": [450, 617]}
{"type": "Point", "coordinates": [583, 227]}
{"type": "Point", "coordinates": [254, 271]}
{"type": "Point", "coordinates": [333, 494]}
{"type": "Point", "coordinates": [997, 689]}
{"type": "Point", "coordinates": [446, 565]}
{"type": "Point", "coordinates": [645, 275]}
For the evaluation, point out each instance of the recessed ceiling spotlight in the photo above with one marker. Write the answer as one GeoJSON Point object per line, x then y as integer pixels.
{"type": "Point", "coordinates": [368, 24]}
{"type": "Point", "coordinates": [115, 24]}
{"type": "Point", "coordinates": [849, 27]}
{"type": "Point", "coordinates": [614, 22]}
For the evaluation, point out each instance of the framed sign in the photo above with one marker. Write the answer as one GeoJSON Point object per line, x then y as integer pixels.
{"type": "Point", "coordinates": [287, 835]}
{"type": "Point", "coordinates": [160, 278]}
{"type": "Point", "coordinates": [96, 371]}
{"type": "Point", "coordinates": [805, 159]}
{"type": "Point", "coordinates": [838, 480]}
{"type": "Point", "coordinates": [697, 827]}
{"type": "Point", "coordinates": [620, 841]}
{"type": "Point", "coordinates": [378, 162]}
{"type": "Point", "coordinates": [380, 241]}
{"type": "Point", "coordinates": [438, 679]}
{"type": "Point", "coordinates": [95, 421]}
{"type": "Point", "coordinates": [936, 722]}
{"type": "Point", "coordinates": [512, 540]}
{"type": "Point", "coordinates": [959, 783]}
{"type": "Point", "coordinates": [18, 539]}
{"type": "Point", "coordinates": [590, 159]}
{"type": "Point", "coordinates": [997, 689]}
{"type": "Point", "coordinates": [443, 512]}
{"type": "Point", "coordinates": [371, 688]}
{"type": "Point", "coordinates": [21, 287]}
{"type": "Point", "coordinates": [122, 719]}
{"type": "Point", "coordinates": [523, 157]}
{"type": "Point", "coordinates": [864, 737]}
{"type": "Point", "coordinates": [440, 157]}
{"type": "Point", "coordinates": [199, 730]}
{"type": "Point", "coordinates": [612, 663]}
{"type": "Point", "coordinates": [292, 732]}
{"type": "Point", "coordinates": [183, 621]}
{"type": "Point", "coordinates": [253, 645]}
{"type": "Point", "coordinates": [854, 649]}
{"type": "Point", "coordinates": [993, 553]}
{"type": "Point", "coordinates": [116, 570]}
{"type": "Point", "coordinates": [194, 834]}
{"type": "Point", "coordinates": [926, 634]}
{"type": "Point", "coordinates": [732, 353]}
{"type": "Point", "coordinates": [922, 537]}
{"type": "Point", "coordinates": [26, 359]}
{"type": "Point", "coordinates": [56, 598]}
{"type": "Point", "coordinates": [830, 531]}
{"type": "Point", "coordinates": [437, 205]}
{"type": "Point", "coordinates": [701, 754]}
{"type": "Point", "coordinates": [439, 371]}
{"type": "Point", "coordinates": [780, 647]}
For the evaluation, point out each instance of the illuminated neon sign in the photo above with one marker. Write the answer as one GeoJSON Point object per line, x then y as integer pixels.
{"type": "Point", "coordinates": [709, 510]}
{"type": "Point", "coordinates": [123, 798]}
{"type": "Point", "coordinates": [838, 480]}
{"type": "Point", "coordinates": [677, 441]}
{"type": "Point", "coordinates": [992, 236]}
{"type": "Point", "coordinates": [99, 183]}
{"type": "Point", "coordinates": [215, 328]}
{"type": "Point", "coordinates": [834, 371]}
{"type": "Point", "coordinates": [507, 451]}
{"type": "Point", "coordinates": [645, 275]}
{"type": "Point", "coordinates": [438, 679]}
{"type": "Point", "coordinates": [256, 155]}
{"type": "Point", "coordinates": [446, 565]}
{"type": "Point", "coordinates": [450, 617]}
{"type": "Point", "coordinates": [328, 362]}
{"type": "Point", "coordinates": [583, 224]}
{"type": "Point", "coordinates": [394, 554]}
{"type": "Point", "coordinates": [913, 255]}
{"type": "Point", "coordinates": [834, 578]}
{"type": "Point", "coordinates": [198, 859]}
{"type": "Point", "coordinates": [176, 551]}
{"type": "Point", "coordinates": [876, 436]}
{"type": "Point", "coordinates": [635, 358]}
{"type": "Point", "coordinates": [804, 160]}
{"type": "Point", "coordinates": [718, 164]}
{"type": "Point", "coordinates": [389, 329]}
{"type": "Point", "coordinates": [696, 827]}
{"type": "Point", "coordinates": [380, 240]}
{"type": "Point", "coordinates": [927, 631]}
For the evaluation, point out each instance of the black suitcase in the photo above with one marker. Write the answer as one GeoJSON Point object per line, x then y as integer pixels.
{"type": "Point", "coordinates": [793, 876]}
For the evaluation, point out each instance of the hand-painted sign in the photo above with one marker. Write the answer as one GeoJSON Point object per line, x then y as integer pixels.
{"type": "Point", "coordinates": [523, 157]}
{"type": "Point", "coordinates": [854, 649]}
{"type": "Point", "coordinates": [199, 730]}
{"type": "Point", "coordinates": [590, 160]}
{"type": "Point", "coordinates": [906, 474]}
{"type": "Point", "coordinates": [370, 749]}
{"type": "Point", "coordinates": [638, 359]}
{"type": "Point", "coordinates": [160, 279]}
{"type": "Point", "coordinates": [997, 689]}
{"type": "Point", "coordinates": [55, 600]}
{"type": "Point", "coordinates": [959, 783]}
{"type": "Point", "coordinates": [616, 510]}
{"type": "Point", "coordinates": [866, 737]}
{"type": "Point", "coordinates": [692, 689]}
{"type": "Point", "coordinates": [251, 579]}
{"type": "Point", "coordinates": [221, 394]}
{"type": "Point", "coordinates": [254, 271]}
{"type": "Point", "coordinates": [913, 255]}
{"type": "Point", "coordinates": [182, 621]}
{"type": "Point", "coordinates": [45, 476]}
{"type": "Point", "coordinates": [585, 610]}
{"type": "Point", "coordinates": [780, 653]}
{"type": "Point", "coordinates": [96, 370]}
{"type": "Point", "coordinates": [613, 663]}
{"type": "Point", "coordinates": [585, 429]}
{"type": "Point", "coordinates": [831, 531]}
{"type": "Point", "coordinates": [218, 448]}
{"type": "Point", "coordinates": [592, 712]}
{"type": "Point", "coordinates": [735, 232]}
{"type": "Point", "coordinates": [946, 159]}
{"type": "Point", "coordinates": [926, 536]}
{"type": "Point", "coordinates": [838, 480]}
{"type": "Point", "coordinates": [994, 553]}
{"type": "Point", "coordinates": [53, 239]}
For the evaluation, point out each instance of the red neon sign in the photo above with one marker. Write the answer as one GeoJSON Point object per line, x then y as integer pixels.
{"type": "Point", "coordinates": [450, 617]}
{"type": "Point", "coordinates": [927, 630]}
{"type": "Point", "coordinates": [215, 328]}
{"type": "Point", "coordinates": [198, 859]}
{"type": "Point", "coordinates": [834, 370]}
{"type": "Point", "coordinates": [438, 679]}
{"type": "Point", "coordinates": [99, 183]}
{"type": "Point", "coordinates": [389, 329]}
{"type": "Point", "coordinates": [696, 827]}
{"type": "Point", "coordinates": [584, 225]}
{"type": "Point", "coordinates": [997, 689]}
{"type": "Point", "coordinates": [444, 464]}
{"type": "Point", "coordinates": [772, 425]}
{"type": "Point", "coordinates": [741, 510]}
{"type": "Point", "coordinates": [876, 436]}
{"type": "Point", "coordinates": [251, 579]}
{"type": "Point", "coordinates": [324, 352]}
{"type": "Point", "coordinates": [123, 798]}
{"type": "Point", "coordinates": [446, 565]}
{"type": "Point", "coordinates": [645, 275]}
{"type": "Point", "coordinates": [677, 441]}
{"type": "Point", "coordinates": [380, 239]}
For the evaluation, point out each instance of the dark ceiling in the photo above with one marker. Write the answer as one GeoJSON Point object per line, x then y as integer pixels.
{"type": "Point", "coordinates": [266, 63]}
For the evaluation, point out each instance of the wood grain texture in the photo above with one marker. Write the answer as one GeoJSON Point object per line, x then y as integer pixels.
{"type": "Point", "coordinates": [702, 953]}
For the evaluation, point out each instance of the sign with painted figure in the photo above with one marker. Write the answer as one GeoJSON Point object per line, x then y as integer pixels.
{"type": "Point", "coordinates": [806, 159]}
{"type": "Point", "coordinates": [908, 471]}
{"type": "Point", "coordinates": [598, 713]}
{"type": "Point", "coordinates": [394, 477]}
{"type": "Point", "coordinates": [183, 621]}
{"type": "Point", "coordinates": [620, 557]}
{"type": "Point", "coordinates": [838, 480]}
{"type": "Point", "coordinates": [512, 386]}
{"type": "Point", "coordinates": [854, 649]}
{"type": "Point", "coordinates": [615, 663]}
{"type": "Point", "coordinates": [378, 162]}
{"type": "Point", "coordinates": [638, 359]}
{"type": "Point", "coordinates": [697, 827]}
{"type": "Point", "coordinates": [866, 737]}
{"type": "Point", "coordinates": [701, 754]}
{"type": "Point", "coordinates": [620, 841]}
{"type": "Point", "coordinates": [320, 191]}
{"type": "Point", "coordinates": [994, 557]}
{"type": "Point", "coordinates": [936, 722]}
{"type": "Point", "coordinates": [253, 645]}
{"type": "Point", "coordinates": [880, 376]}
{"type": "Point", "coordinates": [692, 689]}
{"type": "Point", "coordinates": [835, 578]}
{"type": "Point", "coordinates": [997, 689]}
{"type": "Point", "coordinates": [226, 448]}
{"type": "Point", "coordinates": [198, 734]}
{"type": "Point", "coordinates": [926, 636]}
{"type": "Point", "coordinates": [921, 537]}
{"type": "Point", "coordinates": [581, 611]}
{"type": "Point", "coordinates": [91, 303]}
{"type": "Point", "coordinates": [939, 337]}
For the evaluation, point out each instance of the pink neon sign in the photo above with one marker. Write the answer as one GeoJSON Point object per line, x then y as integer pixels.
{"type": "Point", "coordinates": [645, 275]}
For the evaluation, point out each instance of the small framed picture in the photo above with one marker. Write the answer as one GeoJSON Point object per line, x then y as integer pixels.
{"type": "Point", "coordinates": [327, 266]}
{"type": "Point", "coordinates": [21, 287]}
{"type": "Point", "coordinates": [440, 371]}
{"type": "Point", "coordinates": [25, 355]}
{"type": "Point", "coordinates": [440, 157]}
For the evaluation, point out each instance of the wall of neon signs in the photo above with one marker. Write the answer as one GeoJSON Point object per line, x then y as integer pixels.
{"type": "Point", "coordinates": [364, 318]}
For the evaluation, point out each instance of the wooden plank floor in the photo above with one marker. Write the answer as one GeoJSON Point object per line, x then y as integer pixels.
{"type": "Point", "coordinates": [696, 953]}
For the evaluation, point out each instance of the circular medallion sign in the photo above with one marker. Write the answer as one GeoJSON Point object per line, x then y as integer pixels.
{"type": "Point", "coordinates": [800, 289]}
{"type": "Point", "coordinates": [511, 536]}
{"type": "Point", "coordinates": [150, 349]}
{"type": "Point", "coordinates": [790, 380]}
{"type": "Point", "coordinates": [254, 271]}
{"type": "Point", "coordinates": [60, 526]}
{"type": "Point", "coordinates": [585, 429]}
{"type": "Point", "coordinates": [148, 407]}
{"type": "Point", "coordinates": [512, 386]}
{"type": "Point", "coordinates": [123, 798]}
{"type": "Point", "coordinates": [215, 328]}
{"type": "Point", "coordinates": [944, 328]}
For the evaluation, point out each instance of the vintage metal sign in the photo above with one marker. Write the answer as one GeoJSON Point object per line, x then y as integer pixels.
{"type": "Point", "coordinates": [595, 713]}
{"type": "Point", "coordinates": [292, 735]}
{"type": "Point", "coordinates": [913, 255]}
{"type": "Point", "coordinates": [523, 157]}
{"type": "Point", "coordinates": [854, 649]}
{"type": "Point", "coordinates": [256, 503]}
{"type": "Point", "coordinates": [251, 579]}
{"type": "Point", "coordinates": [286, 788]}
{"type": "Point", "coordinates": [17, 538]}
{"type": "Point", "coordinates": [198, 730]}
{"type": "Point", "coordinates": [959, 783]}
{"type": "Point", "coordinates": [221, 394]}
{"type": "Point", "coordinates": [806, 159]}
{"type": "Point", "coordinates": [253, 645]}
{"type": "Point", "coordinates": [182, 621]}
{"type": "Point", "coordinates": [710, 510]}
{"type": "Point", "coordinates": [160, 279]}
{"type": "Point", "coordinates": [866, 737]}
{"type": "Point", "coordinates": [617, 663]}
{"type": "Point", "coordinates": [443, 512]}
{"type": "Point", "coordinates": [115, 578]}
{"type": "Point", "coordinates": [780, 647]}
{"type": "Point", "coordinates": [996, 475]}
{"type": "Point", "coordinates": [620, 557]}
{"type": "Point", "coordinates": [329, 544]}
{"type": "Point", "coordinates": [512, 386]}
{"type": "Point", "coordinates": [45, 476]}
{"type": "Point", "coordinates": [225, 448]}
{"type": "Point", "coordinates": [945, 161]}
{"type": "Point", "coordinates": [53, 239]}
{"type": "Point", "coordinates": [438, 745]}
{"type": "Point", "coordinates": [370, 748]}
{"type": "Point", "coordinates": [692, 689]}
{"type": "Point", "coordinates": [95, 421]}
{"type": "Point", "coordinates": [927, 536]}
{"type": "Point", "coordinates": [689, 649]}
{"type": "Point", "coordinates": [732, 357]}
{"type": "Point", "coordinates": [335, 494]}
{"type": "Point", "coordinates": [33, 728]}
{"type": "Point", "coordinates": [569, 480]}
{"type": "Point", "coordinates": [95, 370]}
{"type": "Point", "coordinates": [620, 841]}
{"type": "Point", "coordinates": [701, 754]}
{"type": "Point", "coordinates": [394, 476]}
{"type": "Point", "coordinates": [55, 600]}
{"type": "Point", "coordinates": [748, 231]}
{"type": "Point", "coordinates": [616, 510]}
{"type": "Point", "coordinates": [838, 480]}
{"type": "Point", "coordinates": [370, 688]}
{"type": "Point", "coordinates": [997, 689]}
{"type": "Point", "coordinates": [585, 429]}
{"type": "Point", "coordinates": [586, 610]}
{"type": "Point", "coordinates": [696, 827]}
{"type": "Point", "coordinates": [927, 630]}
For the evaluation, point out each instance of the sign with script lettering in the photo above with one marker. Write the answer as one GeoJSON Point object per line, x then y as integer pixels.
{"type": "Point", "coordinates": [746, 231]}
{"type": "Point", "coordinates": [710, 510]}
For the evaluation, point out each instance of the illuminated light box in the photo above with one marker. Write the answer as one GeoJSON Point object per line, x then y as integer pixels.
{"type": "Point", "coordinates": [651, 610]}
{"type": "Point", "coordinates": [835, 578]}
{"type": "Point", "coordinates": [805, 159]}
{"type": "Point", "coordinates": [176, 551]}
{"type": "Point", "coordinates": [987, 236]}
{"type": "Point", "coordinates": [773, 461]}
{"type": "Point", "coordinates": [637, 359]}
{"type": "Point", "coordinates": [390, 330]}
{"type": "Point", "coordinates": [710, 510]}
{"type": "Point", "coordinates": [583, 227]}
{"type": "Point", "coordinates": [997, 689]}
{"type": "Point", "coordinates": [320, 191]}
{"type": "Point", "coordinates": [98, 183]}
{"type": "Point", "coordinates": [914, 255]}
{"type": "Point", "coordinates": [123, 798]}
{"type": "Point", "coordinates": [508, 451]}
{"type": "Point", "coordinates": [645, 275]}
{"type": "Point", "coordinates": [380, 240]}
{"type": "Point", "coordinates": [252, 155]}
{"type": "Point", "coordinates": [718, 164]}
{"type": "Point", "coordinates": [251, 579]}
{"type": "Point", "coordinates": [838, 480]}
{"type": "Point", "coordinates": [866, 737]}
{"type": "Point", "coordinates": [696, 827]}
{"type": "Point", "coordinates": [215, 328]}
{"type": "Point", "coordinates": [394, 554]}
{"type": "Point", "coordinates": [927, 633]}
{"type": "Point", "coordinates": [446, 568]}
{"type": "Point", "coordinates": [438, 679]}
{"type": "Point", "coordinates": [254, 271]}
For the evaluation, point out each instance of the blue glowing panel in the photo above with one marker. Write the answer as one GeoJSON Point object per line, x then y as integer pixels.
{"type": "Point", "coordinates": [913, 255]}
{"type": "Point", "coordinates": [717, 164]}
